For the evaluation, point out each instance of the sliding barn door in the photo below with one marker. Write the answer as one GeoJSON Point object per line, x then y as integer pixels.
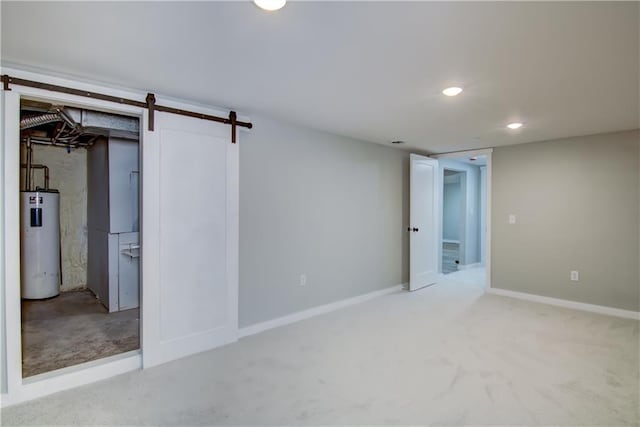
{"type": "Point", "coordinates": [189, 237]}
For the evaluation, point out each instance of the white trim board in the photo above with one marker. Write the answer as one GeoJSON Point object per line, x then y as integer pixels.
{"type": "Point", "coordinates": [73, 376]}
{"type": "Point", "coordinates": [315, 311]}
{"type": "Point", "coordinates": [469, 266]}
{"type": "Point", "coordinates": [600, 309]}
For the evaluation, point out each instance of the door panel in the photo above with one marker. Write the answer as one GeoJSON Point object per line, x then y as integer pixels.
{"type": "Point", "coordinates": [190, 237]}
{"type": "Point", "coordinates": [424, 239]}
{"type": "Point", "coordinates": [128, 271]}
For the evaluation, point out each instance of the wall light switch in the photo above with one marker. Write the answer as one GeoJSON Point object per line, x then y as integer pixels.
{"type": "Point", "coordinates": [512, 219]}
{"type": "Point", "coordinates": [303, 280]}
{"type": "Point", "coordinates": [575, 276]}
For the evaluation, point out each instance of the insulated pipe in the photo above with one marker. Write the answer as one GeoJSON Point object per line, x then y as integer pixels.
{"type": "Point", "coordinates": [30, 122]}
{"type": "Point", "coordinates": [27, 178]}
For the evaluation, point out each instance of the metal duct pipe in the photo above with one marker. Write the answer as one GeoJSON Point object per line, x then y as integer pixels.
{"type": "Point", "coordinates": [66, 117]}
{"type": "Point", "coordinates": [30, 122]}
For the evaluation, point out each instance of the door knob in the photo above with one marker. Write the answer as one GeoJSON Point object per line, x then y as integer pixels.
{"type": "Point", "coordinates": [415, 229]}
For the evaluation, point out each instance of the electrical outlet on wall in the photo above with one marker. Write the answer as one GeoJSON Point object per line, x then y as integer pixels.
{"type": "Point", "coordinates": [303, 280]}
{"type": "Point", "coordinates": [512, 219]}
{"type": "Point", "coordinates": [575, 276]}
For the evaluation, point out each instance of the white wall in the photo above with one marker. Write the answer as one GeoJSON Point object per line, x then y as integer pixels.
{"type": "Point", "coordinates": [313, 203]}
{"type": "Point", "coordinates": [68, 174]}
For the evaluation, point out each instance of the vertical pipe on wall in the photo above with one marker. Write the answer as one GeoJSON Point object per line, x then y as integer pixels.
{"type": "Point", "coordinates": [27, 178]}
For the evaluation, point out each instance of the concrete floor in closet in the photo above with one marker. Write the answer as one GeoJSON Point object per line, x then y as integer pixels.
{"type": "Point", "coordinates": [447, 354]}
{"type": "Point", "coordinates": [73, 328]}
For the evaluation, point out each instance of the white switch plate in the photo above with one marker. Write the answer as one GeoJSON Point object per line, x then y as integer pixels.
{"type": "Point", "coordinates": [512, 219]}
{"type": "Point", "coordinates": [303, 280]}
{"type": "Point", "coordinates": [575, 276]}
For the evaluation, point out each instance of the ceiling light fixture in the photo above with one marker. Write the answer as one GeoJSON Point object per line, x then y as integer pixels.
{"type": "Point", "coordinates": [514, 125]}
{"type": "Point", "coordinates": [452, 91]}
{"type": "Point", "coordinates": [270, 5]}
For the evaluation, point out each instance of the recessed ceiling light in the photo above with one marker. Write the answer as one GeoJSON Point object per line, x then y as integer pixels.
{"type": "Point", "coordinates": [452, 91]}
{"type": "Point", "coordinates": [270, 4]}
{"type": "Point", "coordinates": [515, 125]}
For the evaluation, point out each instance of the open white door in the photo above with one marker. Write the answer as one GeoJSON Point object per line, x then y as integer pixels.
{"type": "Point", "coordinates": [189, 237]}
{"type": "Point", "coordinates": [423, 227]}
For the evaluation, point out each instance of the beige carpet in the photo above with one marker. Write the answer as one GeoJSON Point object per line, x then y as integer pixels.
{"type": "Point", "coordinates": [445, 355]}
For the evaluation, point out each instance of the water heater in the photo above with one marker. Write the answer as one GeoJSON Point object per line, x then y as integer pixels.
{"type": "Point", "coordinates": [40, 244]}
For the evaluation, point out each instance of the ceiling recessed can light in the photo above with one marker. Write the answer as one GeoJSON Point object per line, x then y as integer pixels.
{"type": "Point", "coordinates": [514, 125]}
{"type": "Point", "coordinates": [452, 91]}
{"type": "Point", "coordinates": [270, 4]}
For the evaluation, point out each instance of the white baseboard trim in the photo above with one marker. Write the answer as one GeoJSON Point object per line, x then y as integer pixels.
{"type": "Point", "coordinates": [72, 376]}
{"type": "Point", "coordinates": [468, 266]}
{"type": "Point", "coordinates": [315, 311]}
{"type": "Point", "coordinates": [600, 309]}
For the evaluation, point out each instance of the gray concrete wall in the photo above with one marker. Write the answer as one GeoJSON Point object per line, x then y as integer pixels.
{"type": "Point", "coordinates": [577, 205]}
{"type": "Point", "coordinates": [332, 208]}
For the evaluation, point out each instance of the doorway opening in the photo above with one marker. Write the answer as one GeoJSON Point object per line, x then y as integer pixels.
{"type": "Point", "coordinates": [463, 225]}
{"type": "Point", "coordinates": [453, 224]}
{"type": "Point", "coordinates": [79, 235]}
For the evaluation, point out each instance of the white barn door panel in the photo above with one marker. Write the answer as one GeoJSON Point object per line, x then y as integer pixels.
{"type": "Point", "coordinates": [189, 238]}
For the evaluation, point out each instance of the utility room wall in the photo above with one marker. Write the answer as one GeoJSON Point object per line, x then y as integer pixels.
{"type": "Point", "coordinates": [68, 174]}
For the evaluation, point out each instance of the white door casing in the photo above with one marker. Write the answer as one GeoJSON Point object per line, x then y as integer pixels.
{"type": "Point", "coordinates": [190, 237]}
{"type": "Point", "coordinates": [14, 388]}
{"type": "Point", "coordinates": [423, 227]}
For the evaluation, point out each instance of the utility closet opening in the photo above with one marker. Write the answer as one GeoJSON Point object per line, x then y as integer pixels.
{"type": "Point", "coordinates": [79, 235]}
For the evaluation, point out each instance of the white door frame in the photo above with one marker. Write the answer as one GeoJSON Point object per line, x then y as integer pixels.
{"type": "Point", "coordinates": [470, 153]}
{"type": "Point", "coordinates": [17, 389]}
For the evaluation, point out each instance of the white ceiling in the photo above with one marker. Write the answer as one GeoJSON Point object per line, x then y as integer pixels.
{"type": "Point", "coordinates": [372, 71]}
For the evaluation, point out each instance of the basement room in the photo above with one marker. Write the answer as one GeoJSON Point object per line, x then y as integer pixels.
{"type": "Point", "coordinates": [282, 212]}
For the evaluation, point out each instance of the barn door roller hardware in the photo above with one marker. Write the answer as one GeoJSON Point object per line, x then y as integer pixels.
{"type": "Point", "coordinates": [149, 104]}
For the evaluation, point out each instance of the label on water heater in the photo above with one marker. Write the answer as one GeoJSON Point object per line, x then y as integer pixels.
{"type": "Point", "coordinates": [35, 200]}
{"type": "Point", "coordinates": [36, 217]}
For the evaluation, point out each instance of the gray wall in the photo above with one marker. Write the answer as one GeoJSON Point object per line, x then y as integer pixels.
{"type": "Point", "coordinates": [451, 207]}
{"type": "Point", "coordinates": [577, 205]}
{"type": "Point", "coordinates": [326, 206]}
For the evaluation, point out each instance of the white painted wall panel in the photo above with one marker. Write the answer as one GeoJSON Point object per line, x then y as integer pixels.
{"type": "Point", "coordinates": [193, 224]}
